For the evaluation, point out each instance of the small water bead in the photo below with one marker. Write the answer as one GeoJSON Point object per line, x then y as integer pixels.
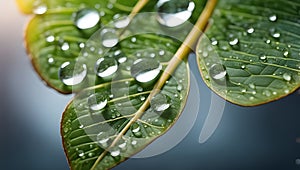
{"type": "Point", "coordinates": [40, 7]}
{"type": "Point", "coordinates": [109, 38]}
{"type": "Point", "coordinates": [152, 55]}
{"type": "Point", "coordinates": [140, 89]}
{"type": "Point", "coordinates": [179, 87]}
{"type": "Point", "coordinates": [234, 41]}
{"type": "Point", "coordinates": [50, 38]}
{"type": "Point", "coordinates": [286, 53]}
{"type": "Point", "coordinates": [145, 70]}
{"type": "Point", "coordinates": [243, 67]}
{"type": "Point", "coordinates": [102, 139]}
{"type": "Point", "coordinates": [71, 74]}
{"type": "Point", "coordinates": [161, 52]}
{"type": "Point", "coordinates": [252, 86]}
{"type": "Point", "coordinates": [276, 35]}
{"type": "Point", "coordinates": [86, 18]}
{"type": "Point", "coordinates": [106, 67]}
{"type": "Point", "coordinates": [81, 45]}
{"type": "Point", "coordinates": [133, 39]}
{"type": "Point", "coordinates": [268, 41]}
{"type": "Point", "coordinates": [65, 46]}
{"type": "Point", "coordinates": [173, 14]}
{"type": "Point", "coordinates": [122, 22]}
{"type": "Point", "coordinates": [273, 18]}
{"type": "Point", "coordinates": [143, 98]}
{"type": "Point", "coordinates": [263, 58]}
{"type": "Point", "coordinates": [267, 93]}
{"type": "Point", "coordinates": [134, 142]}
{"type": "Point", "coordinates": [51, 60]}
{"type": "Point", "coordinates": [287, 77]}
{"type": "Point", "coordinates": [250, 30]}
{"type": "Point", "coordinates": [218, 72]}
{"type": "Point", "coordinates": [97, 101]}
{"type": "Point", "coordinates": [214, 42]}
{"type": "Point", "coordinates": [80, 153]}
{"type": "Point", "coordinates": [160, 102]}
{"type": "Point", "coordinates": [91, 154]}
{"type": "Point", "coordinates": [122, 146]}
{"type": "Point", "coordinates": [115, 152]}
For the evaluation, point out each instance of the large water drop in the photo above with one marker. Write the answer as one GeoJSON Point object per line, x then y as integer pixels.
{"type": "Point", "coordinates": [86, 18]}
{"type": "Point", "coordinates": [97, 101]}
{"type": "Point", "coordinates": [109, 38]}
{"type": "Point", "coordinates": [106, 67]}
{"type": "Point", "coordinates": [71, 74]}
{"type": "Point", "coordinates": [146, 69]}
{"type": "Point", "coordinates": [172, 13]}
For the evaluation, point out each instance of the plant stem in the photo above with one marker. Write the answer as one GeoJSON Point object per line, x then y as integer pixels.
{"type": "Point", "coordinates": [179, 56]}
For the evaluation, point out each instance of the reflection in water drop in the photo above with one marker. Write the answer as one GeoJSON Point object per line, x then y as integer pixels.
{"type": "Point", "coordinates": [71, 75]}
{"type": "Point", "coordinates": [106, 67]}
{"type": "Point", "coordinates": [287, 77]}
{"type": "Point", "coordinates": [109, 38]}
{"type": "Point", "coordinates": [160, 102]}
{"type": "Point", "coordinates": [86, 18]}
{"type": "Point", "coordinates": [97, 101]}
{"type": "Point", "coordinates": [174, 13]}
{"type": "Point", "coordinates": [40, 8]}
{"type": "Point", "coordinates": [145, 70]}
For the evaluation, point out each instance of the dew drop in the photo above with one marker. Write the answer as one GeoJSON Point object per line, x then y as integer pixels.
{"type": "Point", "coordinates": [71, 74]}
{"type": "Point", "coordinates": [97, 101]}
{"type": "Point", "coordinates": [145, 70]}
{"type": "Point", "coordinates": [81, 153]}
{"type": "Point", "coordinates": [115, 152]}
{"type": "Point", "coordinates": [122, 145]}
{"type": "Point", "coordinates": [160, 102]}
{"type": "Point", "coordinates": [287, 77]}
{"type": "Point", "coordinates": [81, 45]}
{"type": "Point", "coordinates": [50, 38]}
{"type": "Point", "coordinates": [263, 58]}
{"type": "Point", "coordinates": [122, 22]}
{"type": "Point", "coordinates": [218, 72]}
{"type": "Point", "coordinates": [40, 8]}
{"type": "Point", "coordinates": [235, 41]}
{"type": "Point", "coordinates": [109, 38]}
{"type": "Point", "coordinates": [250, 30]}
{"type": "Point", "coordinates": [102, 139]}
{"type": "Point", "coordinates": [133, 39]}
{"type": "Point", "coordinates": [276, 35]}
{"type": "Point", "coordinates": [267, 93]}
{"type": "Point", "coordinates": [91, 154]}
{"type": "Point", "coordinates": [252, 86]}
{"type": "Point", "coordinates": [179, 87]}
{"type": "Point", "coordinates": [86, 18]}
{"type": "Point", "coordinates": [106, 67]}
{"type": "Point", "coordinates": [50, 60]}
{"type": "Point", "coordinates": [173, 14]}
{"type": "Point", "coordinates": [161, 52]}
{"type": "Point", "coordinates": [134, 142]}
{"type": "Point", "coordinates": [268, 41]}
{"type": "Point", "coordinates": [273, 18]}
{"type": "Point", "coordinates": [65, 46]}
{"type": "Point", "coordinates": [243, 67]}
{"type": "Point", "coordinates": [286, 53]}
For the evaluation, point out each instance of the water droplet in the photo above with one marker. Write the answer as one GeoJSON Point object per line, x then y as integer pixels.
{"type": "Point", "coordinates": [81, 126]}
{"type": "Point", "coordinates": [143, 98]}
{"type": "Point", "coordinates": [214, 42]}
{"type": "Point", "coordinates": [263, 58]}
{"type": "Point", "coordinates": [109, 38]}
{"type": "Point", "coordinates": [276, 35]}
{"type": "Point", "coordinates": [268, 41]}
{"type": "Point", "coordinates": [243, 67]}
{"type": "Point", "coordinates": [65, 46]}
{"type": "Point", "coordinates": [71, 74]}
{"type": "Point", "coordinates": [173, 14]}
{"type": "Point", "coordinates": [235, 41]}
{"type": "Point", "coordinates": [252, 86]}
{"type": "Point", "coordinates": [97, 101]}
{"type": "Point", "coordinates": [161, 52]}
{"type": "Point", "coordinates": [80, 153]}
{"type": "Point", "coordinates": [287, 77]}
{"type": "Point", "coordinates": [267, 93]}
{"type": "Point", "coordinates": [40, 8]}
{"type": "Point", "coordinates": [91, 154]}
{"type": "Point", "coordinates": [145, 70]}
{"type": "Point", "coordinates": [115, 152]}
{"type": "Point", "coordinates": [140, 89]}
{"type": "Point", "coordinates": [179, 87]}
{"type": "Point", "coordinates": [81, 45]}
{"type": "Point", "coordinates": [106, 67]}
{"type": "Point", "coordinates": [50, 38]}
{"type": "Point", "coordinates": [134, 142]}
{"type": "Point", "coordinates": [122, 145]}
{"type": "Point", "coordinates": [122, 22]}
{"type": "Point", "coordinates": [86, 18]}
{"type": "Point", "coordinates": [218, 72]}
{"type": "Point", "coordinates": [102, 139]}
{"type": "Point", "coordinates": [50, 60]}
{"type": "Point", "coordinates": [286, 53]}
{"type": "Point", "coordinates": [286, 91]}
{"type": "Point", "coordinates": [160, 102]}
{"type": "Point", "coordinates": [273, 18]}
{"type": "Point", "coordinates": [133, 39]}
{"type": "Point", "coordinates": [250, 30]}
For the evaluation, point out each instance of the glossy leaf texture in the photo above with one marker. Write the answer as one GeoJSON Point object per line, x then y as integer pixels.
{"type": "Point", "coordinates": [58, 32]}
{"type": "Point", "coordinates": [97, 115]}
{"type": "Point", "coordinates": [251, 54]}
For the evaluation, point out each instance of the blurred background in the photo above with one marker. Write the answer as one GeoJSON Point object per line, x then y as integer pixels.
{"type": "Point", "coordinates": [257, 138]}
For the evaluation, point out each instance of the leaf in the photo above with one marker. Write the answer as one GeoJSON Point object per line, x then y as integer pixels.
{"type": "Point", "coordinates": [88, 132]}
{"type": "Point", "coordinates": [53, 38]}
{"type": "Point", "coordinates": [251, 53]}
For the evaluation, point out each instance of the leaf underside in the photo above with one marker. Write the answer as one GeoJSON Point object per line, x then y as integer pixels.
{"type": "Point", "coordinates": [256, 44]}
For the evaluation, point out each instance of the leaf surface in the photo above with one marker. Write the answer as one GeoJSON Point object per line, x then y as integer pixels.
{"type": "Point", "coordinates": [251, 53]}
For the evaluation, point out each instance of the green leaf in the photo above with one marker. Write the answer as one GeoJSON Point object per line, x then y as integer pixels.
{"type": "Point", "coordinates": [251, 54]}
{"type": "Point", "coordinates": [53, 37]}
{"type": "Point", "coordinates": [98, 115]}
